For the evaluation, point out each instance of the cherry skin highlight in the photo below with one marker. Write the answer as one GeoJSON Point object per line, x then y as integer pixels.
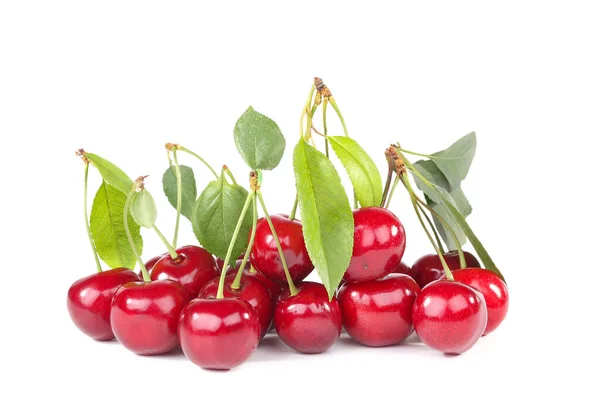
{"type": "Point", "coordinates": [144, 315]}
{"type": "Point", "coordinates": [449, 316]}
{"type": "Point", "coordinates": [218, 333]}
{"type": "Point", "coordinates": [379, 243]}
{"type": "Point", "coordinates": [494, 291]}
{"type": "Point", "coordinates": [192, 269]}
{"type": "Point", "coordinates": [429, 267]}
{"type": "Point", "coordinates": [379, 313]}
{"type": "Point", "coordinates": [308, 322]}
{"type": "Point", "coordinates": [250, 290]}
{"type": "Point", "coordinates": [89, 300]}
{"type": "Point", "coordinates": [265, 256]}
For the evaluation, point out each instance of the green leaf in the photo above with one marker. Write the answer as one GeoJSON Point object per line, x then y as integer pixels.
{"type": "Point", "coordinates": [188, 189]}
{"type": "Point", "coordinates": [108, 231]}
{"type": "Point", "coordinates": [215, 217]}
{"type": "Point", "coordinates": [111, 174]}
{"type": "Point", "coordinates": [327, 221]}
{"type": "Point", "coordinates": [444, 233]}
{"type": "Point", "coordinates": [361, 169]}
{"type": "Point", "coordinates": [455, 161]}
{"type": "Point", "coordinates": [477, 245]}
{"type": "Point", "coordinates": [143, 209]}
{"type": "Point", "coordinates": [258, 140]}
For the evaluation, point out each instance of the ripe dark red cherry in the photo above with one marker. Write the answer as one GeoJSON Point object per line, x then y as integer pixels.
{"type": "Point", "coordinates": [144, 316]}
{"type": "Point", "coordinates": [193, 268]}
{"type": "Point", "coordinates": [494, 291]}
{"type": "Point", "coordinates": [429, 267]}
{"type": "Point", "coordinates": [449, 316]}
{"type": "Point", "coordinates": [308, 322]}
{"type": "Point", "coordinates": [379, 313]}
{"type": "Point", "coordinates": [402, 269]}
{"type": "Point", "coordinates": [265, 256]}
{"type": "Point", "coordinates": [379, 243]}
{"type": "Point", "coordinates": [218, 333]}
{"type": "Point", "coordinates": [89, 300]}
{"type": "Point", "coordinates": [150, 264]}
{"type": "Point", "coordinates": [250, 290]}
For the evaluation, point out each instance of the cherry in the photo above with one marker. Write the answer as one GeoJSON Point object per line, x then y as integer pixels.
{"type": "Point", "coordinates": [308, 322]}
{"type": "Point", "coordinates": [150, 264]}
{"type": "Point", "coordinates": [379, 313]}
{"type": "Point", "coordinates": [89, 300]}
{"type": "Point", "coordinates": [429, 267]}
{"type": "Point", "coordinates": [220, 262]}
{"type": "Point", "coordinates": [250, 290]}
{"type": "Point", "coordinates": [379, 243]}
{"type": "Point", "coordinates": [193, 268]}
{"type": "Point", "coordinates": [218, 333]}
{"type": "Point", "coordinates": [274, 288]}
{"type": "Point", "coordinates": [449, 316]}
{"type": "Point", "coordinates": [402, 269]}
{"type": "Point", "coordinates": [494, 291]}
{"type": "Point", "coordinates": [265, 256]}
{"type": "Point", "coordinates": [144, 315]}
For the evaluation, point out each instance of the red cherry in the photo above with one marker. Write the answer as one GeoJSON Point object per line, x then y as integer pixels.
{"type": "Point", "coordinates": [429, 267]}
{"type": "Point", "coordinates": [379, 313]}
{"type": "Point", "coordinates": [494, 291]}
{"type": "Point", "coordinates": [89, 300]}
{"type": "Point", "coordinates": [449, 316]}
{"type": "Point", "coordinates": [250, 290]}
{"type": "Point", "coordinates": [265, 256]}
{"type": "Point", "coordinates": [308, 322]}
{"type": "Point", "coordinates": [144, 315]}
{"type": "Point", "coordinates": [274, 288]}
{"type": "Point", "coordinates": [379, 243]}
{"type": "Point", "coordinates": [218, 333]}
{"type": "Point", "coordinates": [193, 268]}
{"type": "Point", "coordinates": [220, 262]}
{"type": "Point", "coordinates": [150, 264]}
{"type": "Point", "coordinates": [402, 269]}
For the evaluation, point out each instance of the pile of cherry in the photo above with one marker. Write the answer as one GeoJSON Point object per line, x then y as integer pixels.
{"type": "Point", "coordinates": [379, 303]}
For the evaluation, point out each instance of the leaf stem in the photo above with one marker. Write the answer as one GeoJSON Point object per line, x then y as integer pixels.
{"type": "Point", "coordinates": [294, 208]}
{"type": "Point", "coordinates": [418, 212]}
{"type": "Point", "coordinates": [179, 147]}
{"type": "Point", "coordinates": [128, 233]}
{"type": "Point", "coordinates": [170, 248]}
{"type": "Point", "coordinates": [339, 114]}
{"type": "Point", "coordinates": [325, 101]}
{"type": "Point", "coordinates": [86, 218]}
{"type": "Point", "coordinates": [238, 277]}
{"type": "Point", "coordinates": [293, 289]}
{"type": "Point", "coordinates": [236, 232]}
{"type": "Point", "coordinates": [229, 174]}
{"type": "Point", "coordinates": [179, 196]}
{"type": "Point", "coordinates": [430, 222]}
{"type": "Point", "coordinates": [389, 199]}
{"type": "Point", "coordinates": [305, 109]}
{"type": "Point", "coordinates": [415, 153]}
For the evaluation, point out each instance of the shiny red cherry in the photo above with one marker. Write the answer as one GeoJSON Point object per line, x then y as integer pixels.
{"type": "Point", "coordinates": [274, 288]}
{"type": "Point", "coordinates": [218, 333]}
{"type": "Point", "coordinates": [144, 315]}
{"type": "Point", "coordinates": [402, 269]}
{"type": "Point", "coordinates": [379, 313]}
{"type": "Point", "coordinates": [220, 262]}
{"type": "Point", "coordinates": [379, 243]}
{"type": "Point", "coordinates": [308, 322]}
{"type": "Point", "coordinates": [150, 264]}
{"type": "Point", "coordinates": [449, 316]}
{"type": "Point", "coordinates": [429, 267]}
{"type": "Point", "coordinates": [193, 268]}
{"type": "Point", "coordinates": [494, 291]}
{"type": "Point", "coordinates": [89, 300]}
{"type": "Point", "coordinates": [265, 256]}
{"type": "Point", "coordinates": [250, 290]}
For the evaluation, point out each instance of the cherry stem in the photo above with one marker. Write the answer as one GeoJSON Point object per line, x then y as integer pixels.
{"type": "Point", "coordinates": [430, 222]}
{"type": "Point", "coordinates": [170, 248]}
{"type": "Point", "coordinates": [389, 199]}
{"type": "Point", "coordinates": [238, 277]}
{"type": "Point", "coordinates": [293, 289]}
{"type": "Point", "coordinates": [145, 274]}
{"type": "Point", "coordinates": [408, 186]}
{"type": "Point", "coordinates": [179, 147]}
{"type": "Point", "coordinates": [85, 216]}
{"type": "Point", "coordinates": [179, 196]}
{"type": "Point", "coordinates": [305, 109]}
{"type": "Point", "coordinates": [325, 101]}
{"type": "Point", "coordinates": [294, 208]}
{"type": "Point", "coordinates": [236, 232]}
{"type": "Point", "coordinates": [339, 113]}
{"type": "Point", "coordinates": [416, 154]}
{"type": "Point", "coordinates": [386, 188]}
{"type": "Point", "coordinates": [229, 174]}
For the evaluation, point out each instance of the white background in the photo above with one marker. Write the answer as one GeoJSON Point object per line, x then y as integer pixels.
{"type": "Point", "coordinates": [123, 78]}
